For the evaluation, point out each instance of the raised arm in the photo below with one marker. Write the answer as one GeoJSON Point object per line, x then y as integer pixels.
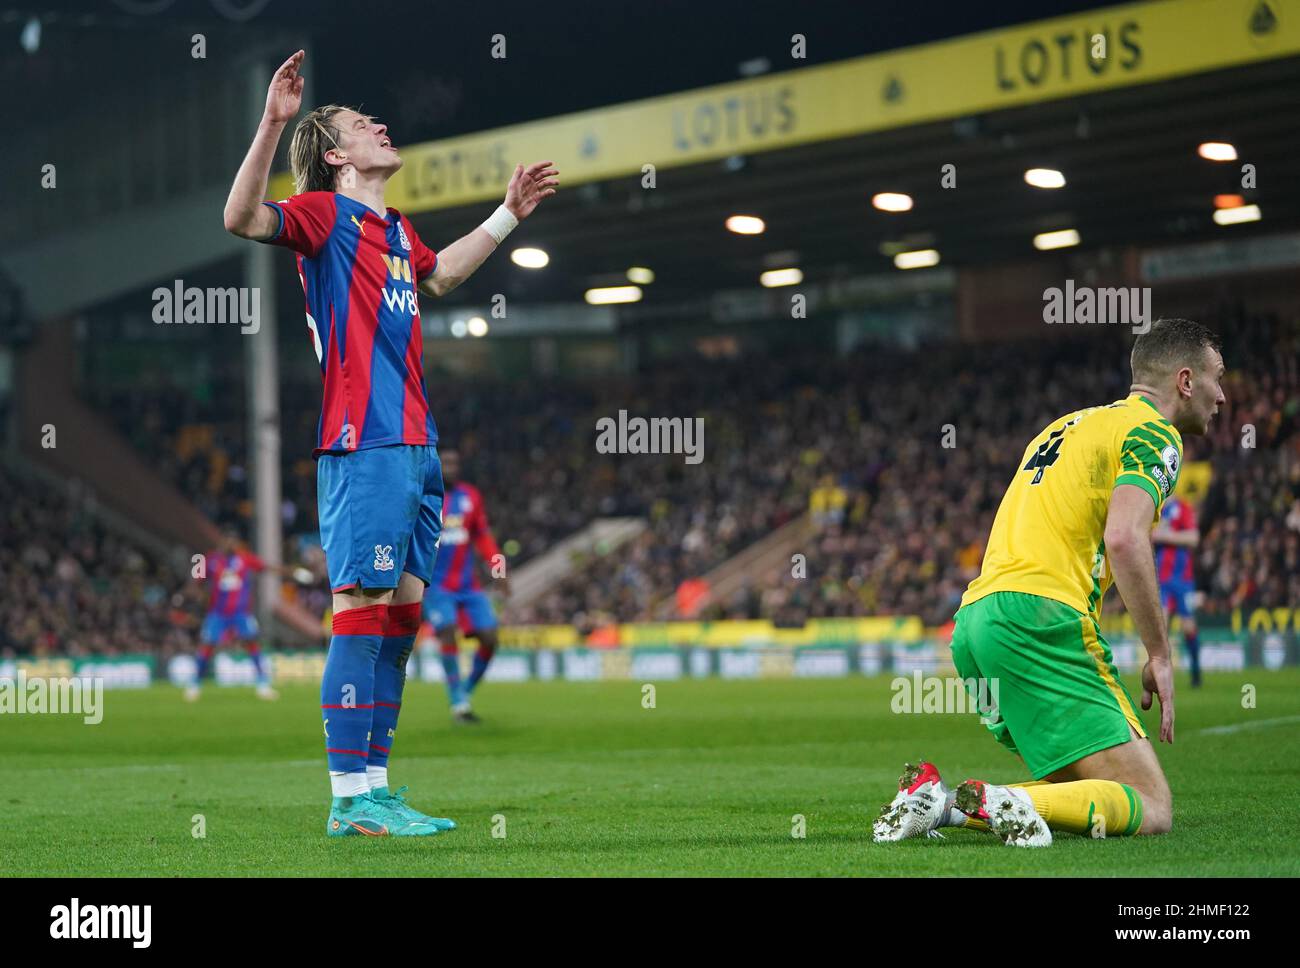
{"type": "Point", "coordinates": [245, 215]}
{"type": "Point", "coordinates": [1128, 551]}
{"type": "Point", "coordinates": [458, 261]}
{"type": "Point", "coordinates": [1181, 532]}
{"type": "Point", "coordinates": [1164, 534]}
{"type": "Point", "coordinates": [295, 573]}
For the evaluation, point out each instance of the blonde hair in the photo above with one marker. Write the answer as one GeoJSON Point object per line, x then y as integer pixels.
{"type": "Point", "coordinates": [315, 135]}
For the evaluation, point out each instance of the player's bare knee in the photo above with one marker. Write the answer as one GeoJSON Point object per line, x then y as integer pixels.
{"type": "Point", "coordinates": [1153, 825]}
{"type": "Point", "coordinates": [1157, 814]}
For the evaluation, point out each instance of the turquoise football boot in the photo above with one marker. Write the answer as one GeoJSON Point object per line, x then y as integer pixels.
{"type": "Point", "coordinates": [398, 805]}
{"type": "Point", "coordinates": [359, 816]}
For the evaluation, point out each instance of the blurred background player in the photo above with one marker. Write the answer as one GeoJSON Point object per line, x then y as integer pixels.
{"type": "Point", "coordinates": [1175, 537]}
{"type": "Point", "coordinates": [230, 571]}
{"type": "Point", "coordinates": [455, 598]}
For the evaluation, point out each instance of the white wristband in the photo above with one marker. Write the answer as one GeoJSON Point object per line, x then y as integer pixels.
{"type": "Point", "coordinates": [500, 223]}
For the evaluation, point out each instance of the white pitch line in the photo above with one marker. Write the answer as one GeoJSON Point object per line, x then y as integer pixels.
{"type": "Point", "coordinates": [1239, 727]}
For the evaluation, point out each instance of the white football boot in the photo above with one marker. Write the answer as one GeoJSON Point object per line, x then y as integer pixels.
{"type": "Point", "coordinates": [920, 806]}
{"type": "Point", "coordinates": [1008, 811]}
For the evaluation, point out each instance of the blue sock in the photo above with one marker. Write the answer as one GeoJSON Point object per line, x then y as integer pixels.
{"type": "Point", "coordinates": [481, 659]}
{"type": "Point", "coordinates": [255, 653]}
{"type": "Point", "coordinates": [204, 659]}
{"type": "Point", "coordinates": [390, 679]}
{"type": "Point", "coordinates": [451, 672]}
{"type": "Point", "coordinates": [347, 690]}
{"type": "Point", "coordinates": [1193, 642]}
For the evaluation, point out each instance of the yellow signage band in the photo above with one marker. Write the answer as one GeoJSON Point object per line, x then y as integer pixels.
{"type": "Point", "coordinates": [1062, 57]}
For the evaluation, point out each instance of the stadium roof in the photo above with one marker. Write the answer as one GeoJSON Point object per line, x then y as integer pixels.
{"type": "Point", "coordinates": [1127, 146]}
{"type": "Point", "coordinates": [1129, 156]}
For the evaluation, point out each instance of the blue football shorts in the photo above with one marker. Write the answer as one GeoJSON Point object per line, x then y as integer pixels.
{"type": "Point", "coordinates": [380, 514]}
{"type": "Point", "coordinates": [1178, 597]}
{"type": "Point", "coordinates": [217, 627]}
{"type": "Point", "coordinates": [442, 608]}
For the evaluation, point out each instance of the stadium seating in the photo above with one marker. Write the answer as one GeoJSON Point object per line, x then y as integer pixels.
{"type": "Point", "coordinates": [899, 531]}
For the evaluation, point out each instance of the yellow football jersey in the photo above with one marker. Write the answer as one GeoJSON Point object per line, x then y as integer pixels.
{"type": "Point", "coordinates": [1047, 537]}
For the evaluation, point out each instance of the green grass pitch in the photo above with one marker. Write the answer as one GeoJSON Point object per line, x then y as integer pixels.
{"type": "Point", "coordinates": [591, 783]}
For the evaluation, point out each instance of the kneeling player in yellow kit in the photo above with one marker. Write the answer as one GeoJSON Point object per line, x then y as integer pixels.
{"type": "Point", "coordinates": [1077, 516]}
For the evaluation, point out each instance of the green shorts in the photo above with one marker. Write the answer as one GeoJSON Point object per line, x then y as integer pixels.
{"type": "Point", "coordinates": [1058, 694]}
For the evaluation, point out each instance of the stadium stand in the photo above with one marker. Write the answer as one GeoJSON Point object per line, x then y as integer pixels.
{"type": "Point", "coordinates": [76, 587]}
{"type": "Point", "coordinates": [897, 518]}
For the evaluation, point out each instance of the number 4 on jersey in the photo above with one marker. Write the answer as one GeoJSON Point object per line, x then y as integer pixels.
{"type": "Point", "coordinates": [1047, 452]}
{"type": "Point", "coordinates": [1045, 456]}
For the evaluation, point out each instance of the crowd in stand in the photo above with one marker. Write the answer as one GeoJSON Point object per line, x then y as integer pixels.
{"type": "Point", "coordinates": [902, 459]}
{"type": "Point", "coordinates": [74, 587]}
{"type": "Point", "coordinates": [900, 456]}
{"type": "Point", "coordinates": [912, 538]}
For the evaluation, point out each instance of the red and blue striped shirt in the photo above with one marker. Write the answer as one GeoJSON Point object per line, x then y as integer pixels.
{"type": "Point", "coordinates": [359, 273]}
{"type": "Point", "coordinates": [232, 584]}
{"type": "Point", "coordinates": [1174, 563]}
{"type": "Point", "coordinates": [464, 531]}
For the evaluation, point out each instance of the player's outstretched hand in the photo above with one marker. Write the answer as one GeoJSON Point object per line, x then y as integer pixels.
{"type": "Point", "coordinates": [528, 186]}
{"type": "Point", "coordinates": [284, 96]}
{"type": "Point", "coordinates": [1158, 678]}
